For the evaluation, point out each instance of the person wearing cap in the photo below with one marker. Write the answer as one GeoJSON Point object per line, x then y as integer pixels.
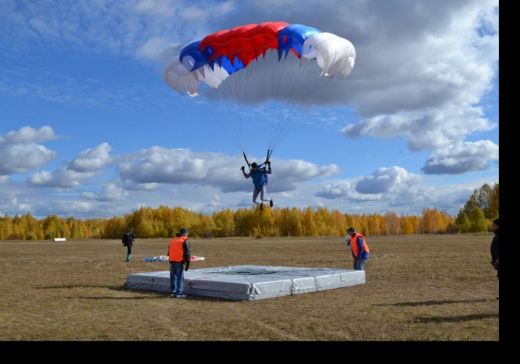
{"type": "Point", "coordinates": [259, 176]}
{"type": "Point", "coordinates": [494, 249]}
{"type": "Point", "coordinates": [178, 256]}
{"type": "Point", "coordinates": [358, 246]}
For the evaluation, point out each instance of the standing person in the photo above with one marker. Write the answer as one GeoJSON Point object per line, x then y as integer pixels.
{"type": "Point", "coordinates": [359, 248]}
{"type": "Point", "coordinates": [178, 255]}
{"type": "Point", "coordinates": [259, 176]}
{"type": "Point", "coordinates": [128, 241]}
{"type": "Point", "coordinates": [494, 248]}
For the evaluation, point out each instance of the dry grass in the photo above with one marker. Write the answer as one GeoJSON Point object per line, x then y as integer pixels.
{"type": "Point", "coordinates": [418, 288]}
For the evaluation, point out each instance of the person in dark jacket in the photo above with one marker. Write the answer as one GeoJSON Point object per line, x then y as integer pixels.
{"type": "Point", "coordinates": [178, 256]}
{"type": "Point", "coordinates": [494, 248]}
{"type": "Point", "coordinates": [128, 241]}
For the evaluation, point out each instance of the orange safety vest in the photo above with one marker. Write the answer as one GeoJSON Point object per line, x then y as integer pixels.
{"type": "Point", "coordinates": [176, 249]}
{"type": "Point", "coordinates": [354, 246]}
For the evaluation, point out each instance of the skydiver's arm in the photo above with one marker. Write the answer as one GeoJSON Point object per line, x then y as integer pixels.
{"type": "Point", "coordinates": [246, 175]}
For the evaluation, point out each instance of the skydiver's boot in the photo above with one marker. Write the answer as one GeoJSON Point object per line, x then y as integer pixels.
{"type": "Point", "coordinates": [271, 203]}
{"type": "Point", "coordinates": [261, 206]}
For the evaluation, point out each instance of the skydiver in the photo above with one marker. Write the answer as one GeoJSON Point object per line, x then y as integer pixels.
{"type": "Point", "coordinates": [259, 176]}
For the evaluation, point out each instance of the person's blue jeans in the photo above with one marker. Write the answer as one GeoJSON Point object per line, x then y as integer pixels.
{"type": "Point", "coordinates": [177, 278]}
{"type": "Point", "coordinates": [359, 264]}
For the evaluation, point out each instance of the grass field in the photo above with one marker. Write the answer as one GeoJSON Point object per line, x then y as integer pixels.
{"type": "Point", "coordinates": [424, 287]}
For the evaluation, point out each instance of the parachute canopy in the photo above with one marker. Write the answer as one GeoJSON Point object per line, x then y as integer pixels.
{"type": "Point", "coordinates": [218, 55]}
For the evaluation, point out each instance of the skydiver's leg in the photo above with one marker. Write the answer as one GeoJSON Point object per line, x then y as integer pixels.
{"type": "Point", "coordinates": [264, 198]}
{"type": "Point", "coordinates": [255, 195]}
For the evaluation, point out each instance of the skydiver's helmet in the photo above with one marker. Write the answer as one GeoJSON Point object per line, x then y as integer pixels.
{"type": "Point", "coordinates": [254, 165]}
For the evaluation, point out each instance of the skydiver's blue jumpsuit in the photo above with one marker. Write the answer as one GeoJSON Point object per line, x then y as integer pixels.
{"type": "Point", "coordinates": [259, 177]}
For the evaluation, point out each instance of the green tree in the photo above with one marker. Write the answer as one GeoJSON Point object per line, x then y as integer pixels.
{"type": "Point", "coordinates": [478, 221]}
{"type": "Point", "coordinates": [462, 222]}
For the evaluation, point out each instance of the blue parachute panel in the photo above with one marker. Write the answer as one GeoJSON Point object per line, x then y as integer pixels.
{"type": "Point", "coordinates": [293, 36]}
{"type": "Point", "coordinates": [193, 51]}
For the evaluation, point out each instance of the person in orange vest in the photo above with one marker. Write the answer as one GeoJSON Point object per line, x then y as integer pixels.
{"type": "Point", "coordinates": [178, 256]}
{"type": "Point", "coordinates": [359, 248]}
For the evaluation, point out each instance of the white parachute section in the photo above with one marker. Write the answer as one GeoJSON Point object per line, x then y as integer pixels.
{"type": "Point", "coordinates": [178, 77]}
{"type": "Point", "coordinates": [333, 54]}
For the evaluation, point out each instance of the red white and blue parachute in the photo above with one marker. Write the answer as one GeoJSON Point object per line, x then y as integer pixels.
{"type": "Point", "coordinates": [218, 55]}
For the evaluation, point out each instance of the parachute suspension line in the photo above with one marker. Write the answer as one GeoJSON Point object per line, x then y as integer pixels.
{"type": "Point", "coordinates": [236, 112]}
{"type": "Point", "coordinates": [309, 97]}
{"type": "Point", "coordinates": [290, 110]}
{"type": "Point", "coordinates": [220, 126]}
{"type": "Point", "coordinates": [279, 82]}
{"type": "Point", "coordinates": [234, 132]}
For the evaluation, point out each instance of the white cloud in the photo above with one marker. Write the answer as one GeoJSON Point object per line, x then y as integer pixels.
{"type": "Point", "coordinates": [384, 180]}
{"type": "Point", "coordinates": [127, 27]}
{"type": "Point", "coordinates": [28, 134]}
{"type": "Point", "coordinates": [462, 157]}
{"type": "Point", "coordinates": [110, 192]}
{"type": "Point", "coordinates": [20, 151]}
{"type": "Point", "coordinates": [91, 159]}
{"type": "Point", "coordinates": [10, 204]}
{"type": "Point", "coordinates": [182, 166]}
{"type": "Point", "coordinates": [159, 8]}
{"type": "Point", "coordinates": [154, 48]}
{"type": "Point", "coordinates": [344, 190]}
{"type": "Point", "coordinates": [409, 193]}
{"type": "Point", "coordinates": [381, 184]}
{"type": "Point", "coordinates": [87, 164]}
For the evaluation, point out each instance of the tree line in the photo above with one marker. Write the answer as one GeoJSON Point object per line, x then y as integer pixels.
{"type": "Point", "coordinates": [164, 222]}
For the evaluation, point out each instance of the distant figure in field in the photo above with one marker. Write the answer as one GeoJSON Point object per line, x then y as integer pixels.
{"type": "Point", "coordinates": [494, 248]}
{"type": "Point", "coordinates": [259, 176]}
{"type": "Point", "coordinates": [358, 246]}
{"type": "Point", "coordinates": [178, 255]}
{"type": "Point", "coordinates": [128, 241]}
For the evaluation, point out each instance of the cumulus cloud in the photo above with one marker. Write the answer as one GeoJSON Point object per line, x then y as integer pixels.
{"type": "Point", "coordinates": [344, 190]}
{"type": "Point", "coordinates": [131, 28]}
{"type": "Point", "coordinates": [383, 182]}
{"type": "Point", "coordinates": [87, 164]}
{"type": "Point", "coordinates": [20, 150]}
{"type": "Point", "coordinates": [91, 159]}
{"type": "Point", "coordinates": [110, 192]}
{"type": "Point", "coordinates": [158, 165]}
{"type": "Point", "coordinates": [11, 203]}
{"type": "Point", "coordinates": [462, 157]}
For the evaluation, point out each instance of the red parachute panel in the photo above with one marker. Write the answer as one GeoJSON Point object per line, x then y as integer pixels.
{"type": "Point", "coordinates": [246, 42]}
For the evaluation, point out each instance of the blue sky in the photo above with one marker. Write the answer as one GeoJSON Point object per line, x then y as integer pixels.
{"type": "Point", "coordinates": [89, 128]}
